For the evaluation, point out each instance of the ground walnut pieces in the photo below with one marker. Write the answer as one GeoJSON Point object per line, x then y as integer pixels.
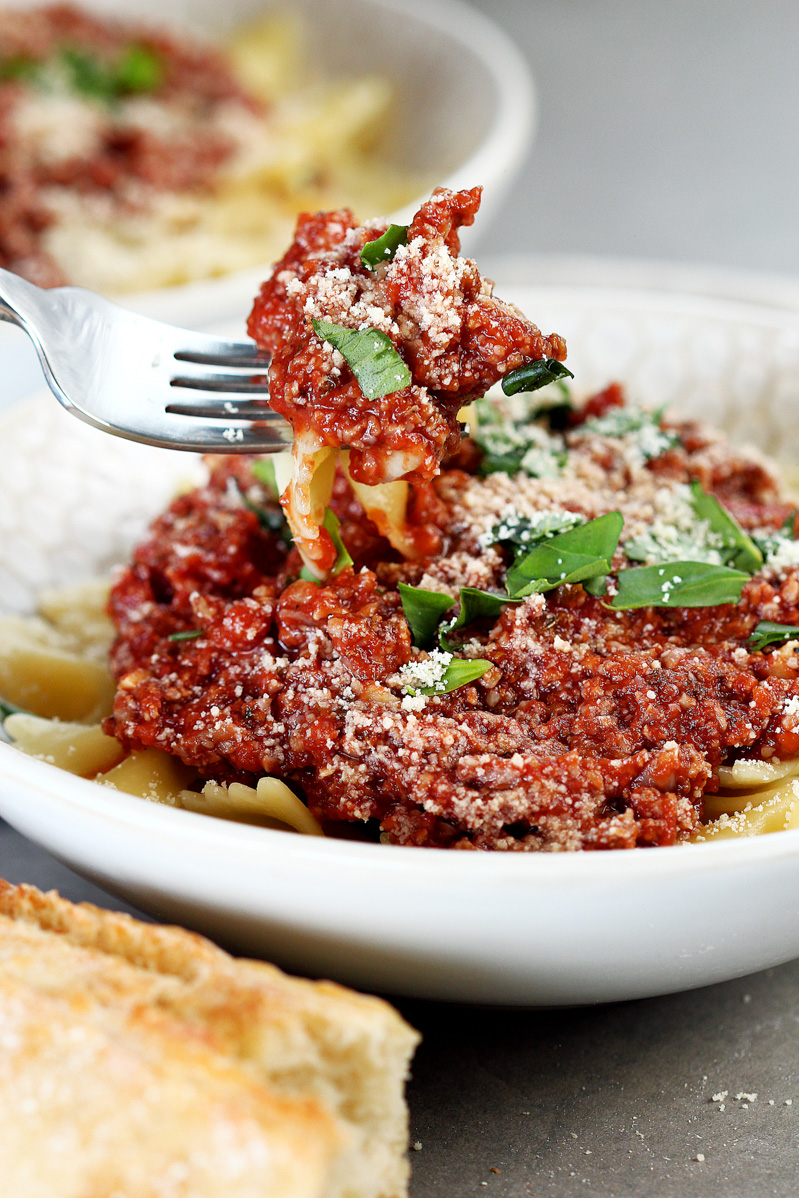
{"type": "Point", "coordinates": [592, 728]}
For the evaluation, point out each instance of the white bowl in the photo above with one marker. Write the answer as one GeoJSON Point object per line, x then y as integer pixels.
{"type": "Point", "coordinates": [465, 109]}
{"type": "Point", "coordinates": [501, 928]}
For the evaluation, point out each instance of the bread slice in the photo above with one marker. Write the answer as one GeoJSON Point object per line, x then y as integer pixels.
{"type": "Point", "coordinates": [142, 1051]}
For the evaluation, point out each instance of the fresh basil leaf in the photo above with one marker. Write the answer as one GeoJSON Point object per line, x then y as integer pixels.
{"type": "Point", "coordinates": [644, 437]}
{"type": "Point", "coordinates": [264, 471]}
{"type": "Point", "coordinates": [479, 605]}
{"type": "Point", "coordinates": [423, 611]}
{"type": "Point", "coordinates": [513, 436]}
{"type": "Point", "coordinates": [460, 672]}
{"type": "Point", "coordinates": [7, 709]}
{"type": "Point", "coordinates": [534, 375]}
{"type": "Point", "coordinates": [441, 673]}
{"type": "Point", "coordinates": [18, 67]}
{"type": "Point", "coordinates": [573, 556]}
{"type": "Point", "coordinates": [270, 519]}
{"type": "Point", "coordinates": [383, 249]}
{"type": "Point", "coordinates": [140, 69]}
{"type": "Point", "coordinates": [596, 586]}
{"type": "Point", "coordinates": [744, 554]}
{"type": "Point", "coordinates": [332, 525]}
{"type": "Point", "coordinates": [190, 635]}
{"type": "Point", "coordinates": [370, 356]}
{"type": "Point", "coordinates": [537, 461]}
{"type": "Point", "coordinates": [768, 633]}
{"type": "Point", "coordinates": [87, 74]}
{"type": "Point", "coordinates": [678, 584]}
{"type": "Point", "coordinates": [475, 605]}
{"type": "Point", "coordinates": [523, 532]}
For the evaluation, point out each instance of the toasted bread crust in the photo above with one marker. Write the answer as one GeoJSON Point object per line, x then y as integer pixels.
{"type": "Point", "coordinates": [321, 1053]}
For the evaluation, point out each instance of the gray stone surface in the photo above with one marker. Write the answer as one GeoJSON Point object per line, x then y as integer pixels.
{"type": "Point", "coordinates": [667, 130]}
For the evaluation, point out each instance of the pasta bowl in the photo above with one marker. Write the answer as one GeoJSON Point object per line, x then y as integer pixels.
{"type": "Point", "coordinates": [463, 112]}
{"type": "Point", "coordinates": [524, 929]}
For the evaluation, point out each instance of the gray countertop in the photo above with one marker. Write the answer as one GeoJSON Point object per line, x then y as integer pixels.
{"type": "Point", "coordinates": [666, 131]}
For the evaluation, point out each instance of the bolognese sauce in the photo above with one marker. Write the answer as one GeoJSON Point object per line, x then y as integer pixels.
{"type": "Point", "coordinates": [585, 704]}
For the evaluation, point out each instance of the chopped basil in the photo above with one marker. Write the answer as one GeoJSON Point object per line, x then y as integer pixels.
{"type": "Point", "coordinates": [460, 672]}
{"type": "Point", "coordinates": [190, 635]}
{"type": "Point", "coordinates": [534, 375]}
{"type": "Point", "coordinates": [742, 553]}
{"type": "Point", "coordinates": [271, 519]}
{"type": "Point", "coordinates": [440, 673]}
{"type": "Point", "coordinates": [475, 605]}
{"type": "Point", "coordinates": [678, 584]}
{"type": "Point", "coordinates": [512, 433]}
{"type": "Point", "coordinates": [597, 586]}
{"type": "Point", "coordinates": [581, 553]}
{"type": "Point", "coordinates": [509, 449]}
{"type": "Point", "coordinates": [18, 67]}
{"type": "Point", "coordinates": [264, 470]}
{"type": "Point", "coordinates": [138, 70]}
{"type": "Point", "coordinates": [7, 709]}
{"type": "Point", "coordinates": [370, 356]}
{"type": "Point", "coordinates": [780, 549]}
{"type": "Point", "coordinates": [383, 249]}
{"type": "Point", "coordinates": [768, 633]}
{"type": "Point", "coordinates": [522, 532]}
{"type": "Point", "coordinates": [423, 611]}
{"type": "Point", "coordinates": [640, 429]}
{"type": "Point", "coordinates": [331, 525]}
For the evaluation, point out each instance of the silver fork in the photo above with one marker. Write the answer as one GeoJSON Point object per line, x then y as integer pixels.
{"type": "Point", "coordinates": [139, 378]}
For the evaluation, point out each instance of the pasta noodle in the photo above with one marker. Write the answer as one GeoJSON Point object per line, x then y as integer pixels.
{"type": "Point", "coordinates": [50, 662]}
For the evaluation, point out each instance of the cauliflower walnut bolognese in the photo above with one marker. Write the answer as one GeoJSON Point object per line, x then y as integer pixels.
{"type": "Point", "coordinates": [551, 634]}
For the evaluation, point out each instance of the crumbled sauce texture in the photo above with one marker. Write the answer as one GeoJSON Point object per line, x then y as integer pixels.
{"type": "Point", "coordinates": [455, 336]}
{"type": "Point", "coordinates": [593, 729]}
{"type": "Point", "coordinates": [124, 154]}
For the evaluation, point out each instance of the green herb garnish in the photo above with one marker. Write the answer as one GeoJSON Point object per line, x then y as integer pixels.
{"type": "Point", "coordinates": [190, 635]}
{"type": "Point", "coordinates": [441, 673]}
{"type": "Point", "coordinates": [742, 553]}
{"type": "Point", "coordinates": [534, 375]}
{"type": "Point", "coordinates": [522, 532]}
{"type": "Point", "coordinates": [264, 471]}
{"type": "Point", "coordinates": [574, 556]}
{"type": "Point", "coordinates": [460, 672]}
{"type": "Point", "coordinates": [7, 709]}
{"type": "Point", "coordinates": [18, 68]}
{"type": "Point", "coordinates": [370, 356]}
{"type": "Point", "coordinates": [478, 605]}
{"type": "Point", "coordinates": [332, 525]}
{"type": "Point", "coordinates": [383, 249]}
{"type": "Point", "coordinates": [513, 436]}
{"type": "Point", "coordinates": [138, 70]}
{"type": "Point", "coordinates": [270, 519]}
{"type": "Point", "coordinates": [678, 584]}
{"type": "Point", "coordinates": [646, 439]}
{"type": "Point", "coordinates": [423, 611]}
{"type": "Point", "coordinates": [768, 633]}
